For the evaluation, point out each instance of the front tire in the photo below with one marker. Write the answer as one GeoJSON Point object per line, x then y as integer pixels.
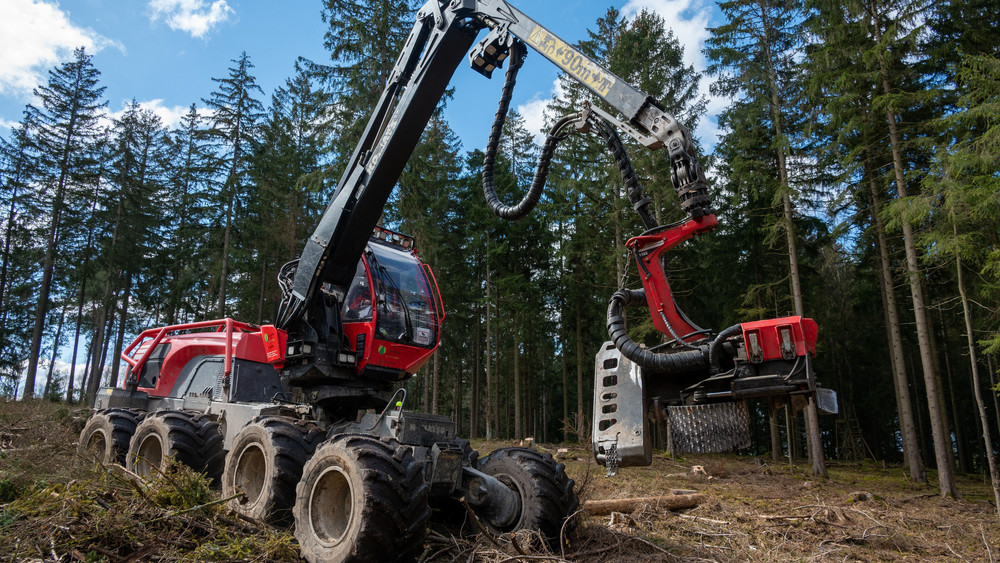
{"type": "Point", "coordinates": [191, 439]}
{"type": "Point", "coordinates": [361, 499]}
{"type": "Point", "coordinates": [546, 492]}
{"type": "Point", "coordinates": [265, 463]}
{"type": "Point", "coordinates": [107, 434]}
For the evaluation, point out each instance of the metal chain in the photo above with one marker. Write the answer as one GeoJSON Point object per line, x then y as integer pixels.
{"type": "Point", "coordinates": [623, 282]}
{"type": "Point", "coordinates": [611, 460]}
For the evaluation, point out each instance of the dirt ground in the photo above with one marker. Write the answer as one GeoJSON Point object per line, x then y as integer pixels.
{"type": "Point", "coordinates": [56, 507]}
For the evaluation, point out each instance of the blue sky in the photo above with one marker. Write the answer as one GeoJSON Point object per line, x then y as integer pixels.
{"type": "Point", "coordinates": [164, 53]}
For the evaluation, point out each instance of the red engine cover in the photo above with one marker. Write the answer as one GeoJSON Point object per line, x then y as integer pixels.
{"type": "Point", "coordinates": [776, 339]}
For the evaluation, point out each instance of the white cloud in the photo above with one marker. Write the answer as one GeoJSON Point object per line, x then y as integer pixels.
{"type": "Point", "coordinates": [689, 20]}
{"type": "Point", "coordinates": [192, 16]}
{"type": "Point", "coordinates": [533, 111]}
{"type": "Point", "coordinates": [36, 35]}
{"type": "Point", "coordinates": [170, 115]}
{"type": "Point", "coordinates": [4, 124]}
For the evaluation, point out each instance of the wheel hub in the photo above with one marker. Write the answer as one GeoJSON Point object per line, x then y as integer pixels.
{"type": "Point", "coordinates": [98, 444]}
{"type": "Point", "coordinates": [149, 455]}
{"type": "Point", "coordinates": [331, 506]}
{"type": "Point", "coordinates": [251, 472]}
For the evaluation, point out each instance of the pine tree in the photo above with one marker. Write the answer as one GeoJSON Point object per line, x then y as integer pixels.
{"type": "Point", "coordinates": [67, 125]}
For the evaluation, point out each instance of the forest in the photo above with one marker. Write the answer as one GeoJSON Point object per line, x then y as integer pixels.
{"type": "Point", "coordinates": [856, 181]}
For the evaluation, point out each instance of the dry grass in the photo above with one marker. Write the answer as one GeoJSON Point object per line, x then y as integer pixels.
{"type": "Point", "coordinates": [54, 506]}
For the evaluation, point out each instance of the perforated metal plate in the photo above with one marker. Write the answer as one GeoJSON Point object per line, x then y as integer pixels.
{"type": "Point", "coordinates": [720, 427]}
{"type": "Point", "coordinates": [619, 411]}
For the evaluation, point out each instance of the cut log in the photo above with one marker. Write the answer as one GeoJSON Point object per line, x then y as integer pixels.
{"type": "Point", "coordinates": [628, 505]}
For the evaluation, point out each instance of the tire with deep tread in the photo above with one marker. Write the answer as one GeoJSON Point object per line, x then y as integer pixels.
{"type": "Point", "coordinates": [361, 499]}
{"type": "Point", "coordinates": [265, 463]}
{"type": "Point", "coordinates": [107, 434]}
{"type": "Point", "coordinates": [192, 439]}
{"type": "Point", "coordinates": [546, 492]}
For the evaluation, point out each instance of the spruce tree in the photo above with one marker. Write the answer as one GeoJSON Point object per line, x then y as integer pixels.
{"type": "Point", "coordinates": [754, 56]}
{"type": "Point", "coordinates": [132, 214]}
{"type": "Point", "coordinates": [364, 40]}
{"type": "Point", "coordinates": [67, 124]}
{"type": "Point", "coordinates": [235, 115]}
{"type": "Point", "coordinates": [18, 167]}
{"type": "Point", "coordinates": [287, 191]}
{"type": "Point", "coordinates": [192, 188]}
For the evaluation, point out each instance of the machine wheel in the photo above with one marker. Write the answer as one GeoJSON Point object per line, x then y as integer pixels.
{"type": "Point", "coordinates": [191, 439]}
{"type": "Point", "coordinates": [361, 499]}
{"type": "Point", "coordinates": [546, 492]}
{"type": "Point", "coordinates": [107, 434]}
{"type": "Point", "coordinates": [265, 463]}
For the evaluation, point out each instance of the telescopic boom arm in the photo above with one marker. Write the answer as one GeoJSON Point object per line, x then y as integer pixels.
{"type": "Point", "coordinates": [444, 32]}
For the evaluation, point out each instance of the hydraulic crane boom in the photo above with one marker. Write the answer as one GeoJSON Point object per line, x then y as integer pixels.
{"type": "Point", "coordinates": [444, 31]}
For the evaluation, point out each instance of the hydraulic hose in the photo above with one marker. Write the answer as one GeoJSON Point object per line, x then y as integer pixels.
{"type": "Point", "coordinates": [530, 200]}
{"type": "Point", "coordinates": [640, 201]}
{"type": "Point", "coordinates": [685, 361]}
{"type": "Point", "coordinates": [713, 348]}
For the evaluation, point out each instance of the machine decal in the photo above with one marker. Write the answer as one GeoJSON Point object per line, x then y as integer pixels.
{"type": "Point", "coordinates": [571, 60]}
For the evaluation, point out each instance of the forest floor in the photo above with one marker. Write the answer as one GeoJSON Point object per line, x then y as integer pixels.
{"type": "Point", "coordinates": [56, 507]}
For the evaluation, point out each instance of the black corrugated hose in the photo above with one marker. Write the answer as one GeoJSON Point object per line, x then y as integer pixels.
{"type": "Point", "coordinates": [530, 200]}
{"type": "Point", "coordinates": [685, 361]}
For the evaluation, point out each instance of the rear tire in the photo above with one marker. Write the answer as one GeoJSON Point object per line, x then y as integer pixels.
{"type": "Point", "coordinates": [546, 492]}
{"type": "Point", "coordinates": [361, 499]}
{"type": "Point", "coordinates": [191, 439]}
{"type": "Point", "coordinates": [107, 434]}
{"type": "Point", "coordinates": [265, 463]}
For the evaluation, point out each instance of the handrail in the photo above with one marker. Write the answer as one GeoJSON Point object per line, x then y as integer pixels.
{"type": "Point", "coordinates": [227, 324]}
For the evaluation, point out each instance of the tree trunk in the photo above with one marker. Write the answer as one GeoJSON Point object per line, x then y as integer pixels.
{"type": "Point", "coordinates": [456, 399]}
{"type": "Point", "coordinates": [963, 455]}
{"type": "Point", "coordinates": [814, 444]}
{"type": "Point", "coordinates": [476, 367]}
{"type": "Point", "coordinates": [88, 389]}
{"type": "Point", "coordinates": [942, 442]}
{"type": "Point", "coordinates": [904, 408]}
{"type": "Point", "coordinates": [225, 259]}
{"type": "Point", "coordinates": [435, 382]}
{"type": "Point", "coordinates": [993, 385]}
{"type": "Point", "coordinates": [581, 419]}
{"type": "Point", "coordinates": [42, 305]}
{"type": "Point", "coordinates": [55, 354]}
{"type": "Point", "coordinates": [120, 339]}
{"type": "Point", "coordinates": [489, 363]}
{"type": "Point", "coordinates": [772, 419]}
{"type": "Point", "coordinates": [990, 458]}
{"type": "Point", "coordinates": [565, 395]}
{"type": "Point", "coordinates": [518, 423]}
{"type": "Point", "coordinates": [11, 216]}
{"type": "Point", "coordinates": [263, 286]}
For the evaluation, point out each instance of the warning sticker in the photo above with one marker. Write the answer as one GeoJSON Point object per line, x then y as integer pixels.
{"type": "Point", "coordinates": [422, 336]}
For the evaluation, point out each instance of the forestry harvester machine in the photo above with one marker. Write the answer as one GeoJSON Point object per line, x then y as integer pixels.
{"type": "Point", "coordinates": [306, 418]}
